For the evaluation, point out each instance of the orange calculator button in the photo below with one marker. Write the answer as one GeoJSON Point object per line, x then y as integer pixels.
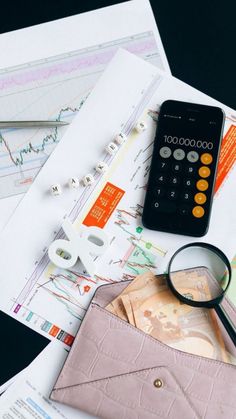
{"type": "Point", "coordinates": [204, 171]}
{"type": "Point", "coordinates": [200, 198]}
{"type": "Point", "coordinates": [202, 185]}
{"type": "Point", "coordinates": [198, 211]}
{"type": "Point", "coordinates": [206, 158]}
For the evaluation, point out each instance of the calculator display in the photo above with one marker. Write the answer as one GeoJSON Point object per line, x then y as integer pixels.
{"type": "Point", "coordinates": [189, 142]}
{"type": "Point", "coordinates": [183, 169]}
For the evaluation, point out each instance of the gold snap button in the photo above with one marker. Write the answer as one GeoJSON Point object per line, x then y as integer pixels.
{"type": "Point", "coordinates": [158, 383]}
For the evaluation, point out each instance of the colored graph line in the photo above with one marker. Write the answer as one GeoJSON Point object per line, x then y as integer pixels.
{"type": "Point", "coordinates": [103, 279]}
{"type": "Point", "coordinates": [134, 213]}
{"type": "Point", "coordinates": [140, 44]}
{"type": "Point", "coordinates": [30, 148]}
{"type": "Point", "coordinates": [128, 277]}
{"type": "Point", "coordinates": [137, 212]}
{"type": "Point", "coordinates": [133, 265]}
{"type": "Point", "coordinates": [144, 254]}
{"type": "Point", "coordinates": [123, 215]}
{"type": "Point", "coordinates": [133, 261]}
{"type": "Point", "coordinates": [80, 277]}
{"type": "Point", "coordinates": [71, 281]}
{"type": "Point", "coordinates": [63, 296]}
{"type": "Point", "coordinates": [53, 82]}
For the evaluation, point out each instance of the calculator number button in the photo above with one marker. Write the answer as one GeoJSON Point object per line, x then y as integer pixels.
{"type": "Point", "coordinates": [188, 183]}
{"type": "Point", "coordinates": [165, 152]}
{"type": "Point", "coordinates": [174, 180]}
{"type": "Point", "coordinates": [172, 194]}
{"type": "Point", "coordinates": [164, 206]}
{"type": "Point", "coordinates": [159, 192]}
{"type": "Point", "coordinates": [190, 170]}
{"type": "Point", "coordinates": [177, 167]}
{"type": "Point", "coordinates": [161, 178]}
{"type": "Point", "coordinates": [192, 156]}
{"type": "Point", "coordinates": [179, 154]}
{"type": "Point", "coordinates": [186, 196]}
{"type": "Point", "coordinates": [162, 165]}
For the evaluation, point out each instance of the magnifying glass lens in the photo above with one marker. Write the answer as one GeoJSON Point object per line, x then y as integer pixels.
{"type": "Point", "coordinates": [199, 274]}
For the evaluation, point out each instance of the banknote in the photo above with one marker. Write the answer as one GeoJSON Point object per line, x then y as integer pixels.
{"type": "Point", "coordinates": [128, 308]}
{"type": "Point", "coordinates": [144, 281]}
{"type": "Point", "coordinates": [117, 307]}
{"type": "Point", "coordinates": [152, 307]}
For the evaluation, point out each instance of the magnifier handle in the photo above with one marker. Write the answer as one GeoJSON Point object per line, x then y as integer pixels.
{"type": "Point", "coordinates": [226, 322]}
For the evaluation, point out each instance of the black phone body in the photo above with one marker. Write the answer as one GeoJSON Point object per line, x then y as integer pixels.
{"type": "Point", "coordinates": [183, 168]}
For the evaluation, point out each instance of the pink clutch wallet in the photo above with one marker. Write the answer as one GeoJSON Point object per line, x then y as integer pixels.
{"type": "Point", "coordinates": [115, 370]}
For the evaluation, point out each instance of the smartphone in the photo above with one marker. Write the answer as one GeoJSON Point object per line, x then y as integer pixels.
{"type": "Point", "coordinates": [183, 168]}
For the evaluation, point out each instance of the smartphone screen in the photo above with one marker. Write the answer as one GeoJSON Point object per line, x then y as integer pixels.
{"type": "Point", "coordinates": [183, 169]}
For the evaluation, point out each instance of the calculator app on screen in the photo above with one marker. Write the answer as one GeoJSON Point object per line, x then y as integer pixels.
{"type": "Point", "coordinates": [183, 169]}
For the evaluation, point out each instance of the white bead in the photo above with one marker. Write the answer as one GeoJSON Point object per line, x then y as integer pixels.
{"type": "Point", "coordinates": [141, 126]}
{"type": "Point", "coordinates": [56, 189]}
{"type": "Point", "coordinates": [73, 182]}
{"type": "Point", "coordinates": [88, 179]}
{"type": "Point", "coordinates": [111, 148]}
{"type": "Point", "coordinates": [120, 138]}
{"type": "Point", "coordinates": [101, 167]}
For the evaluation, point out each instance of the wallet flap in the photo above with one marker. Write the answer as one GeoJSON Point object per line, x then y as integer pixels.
{"type": "Point", "coordinates": [148, 393]}
{"type": "Point", "coordinates": [107, 347]}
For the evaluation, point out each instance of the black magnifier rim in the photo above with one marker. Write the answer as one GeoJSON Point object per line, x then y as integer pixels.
{"type": "Point", "coordinates": [206, 304]}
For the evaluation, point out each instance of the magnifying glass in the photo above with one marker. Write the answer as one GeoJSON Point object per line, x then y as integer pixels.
{"type": "Point", "coordinates": [199, 275]}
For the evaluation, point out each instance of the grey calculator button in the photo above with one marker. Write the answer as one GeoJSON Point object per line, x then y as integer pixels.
{"type": "Point", "coordinates": [179, 154]}
{"type": "Point", "coordinates": [192, 156]}
{"type": "Point", "coordinates": [165, 152]}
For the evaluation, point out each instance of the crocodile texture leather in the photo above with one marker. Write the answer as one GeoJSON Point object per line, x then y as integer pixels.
{"type": "Point", "coordinates": [112, 366]}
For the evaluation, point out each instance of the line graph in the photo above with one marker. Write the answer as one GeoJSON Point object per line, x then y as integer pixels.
{"type": "Point", "coordinates": [58, 295]}
{"type": "Point", "coordinates": [137, 260]}
{"type": "Point", "coordinates": [66, 289]}
{"type": "Point", "coordinates": [53, 88]}
{"type": "Point", "coordinates": [141, 254]}
{"type": "Point", "coordinates": [88, 57]}
{"type": "Point", "coordinates": [30, 148]}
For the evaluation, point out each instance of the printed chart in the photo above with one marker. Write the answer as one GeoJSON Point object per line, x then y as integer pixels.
{"type": "Point", "coordinates": [54, 88]}
{"type": "Point", "coordinates": [53, 300]}
{"type": "Point", "coordinates": [131, 253]}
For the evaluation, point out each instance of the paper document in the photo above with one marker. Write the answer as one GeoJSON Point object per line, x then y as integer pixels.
{"type": "Point", "coordinates": [28, 397]}
{"type": "Point", "coordinates": [47, 72]}
{"type": "Point", "coordinates": [54, 301]}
